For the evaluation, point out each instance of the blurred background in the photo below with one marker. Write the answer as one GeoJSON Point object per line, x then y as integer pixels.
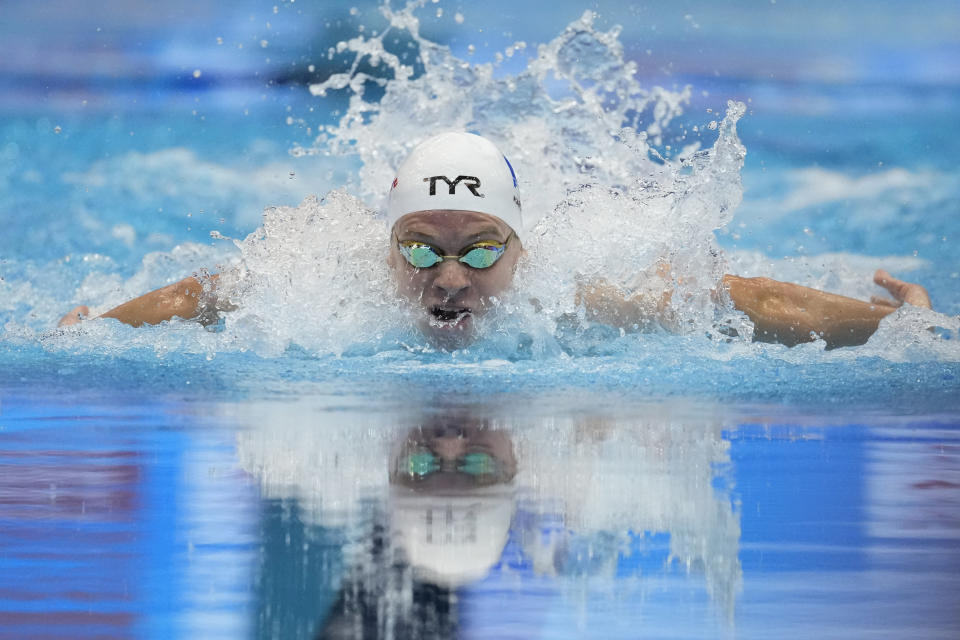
{"type": "Point", "coordinates": [59, 53]}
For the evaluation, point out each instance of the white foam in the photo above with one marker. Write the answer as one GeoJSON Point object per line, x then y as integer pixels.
{"type": "Point", "coordinates": [315, 275]}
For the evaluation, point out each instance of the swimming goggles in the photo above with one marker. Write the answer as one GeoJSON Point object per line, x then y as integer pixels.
{"type": "Point", "coordinates": [481, 467]}
{"type": "Point", "coordinates": [480, 255]}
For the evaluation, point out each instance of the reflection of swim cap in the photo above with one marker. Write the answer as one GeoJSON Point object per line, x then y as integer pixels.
{"type": "Point", "coordinates": [451, 540]}
{"type": "Point", "coordinates": [456, 170]}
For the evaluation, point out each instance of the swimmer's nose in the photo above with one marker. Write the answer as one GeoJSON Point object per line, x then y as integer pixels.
{"type": "Point", "coordinates": [452, 278]}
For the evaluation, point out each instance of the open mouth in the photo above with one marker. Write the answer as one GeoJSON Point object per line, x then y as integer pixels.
{"type": "Point", "coordinates": [446, 316]}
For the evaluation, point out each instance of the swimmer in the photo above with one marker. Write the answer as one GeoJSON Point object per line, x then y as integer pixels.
{"type": "Point", "coordinates": [456, 226]}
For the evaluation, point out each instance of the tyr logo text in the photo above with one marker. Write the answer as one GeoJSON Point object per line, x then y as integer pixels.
{"type": "Point", "coordinates": [470, 182]}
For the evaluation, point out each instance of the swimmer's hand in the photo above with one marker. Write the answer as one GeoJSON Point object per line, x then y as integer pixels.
{"type": "Point", "coordinates": [903, 292]}
{"type": "Point", "coordinates": [791, 314]}
{"type": "Point", "coordinates": [75, 316]}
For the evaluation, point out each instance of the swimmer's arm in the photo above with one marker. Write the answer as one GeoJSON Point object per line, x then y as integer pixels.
{"type": "Point", "coordinates": [185, 299]}
{"type": "Point", "coordinates": [791, 314]}
{"type": "Point", "coordinates": [780, 311]}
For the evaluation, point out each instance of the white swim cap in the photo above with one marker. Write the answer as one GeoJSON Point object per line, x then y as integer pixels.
{"type": "Point", "coordinates": [459, 171]}
{"type": "Point", "coordinates": [455, 539]}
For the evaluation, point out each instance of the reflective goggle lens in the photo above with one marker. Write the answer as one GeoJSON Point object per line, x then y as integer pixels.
{"type": "Point", "coordinates": [483, 255]}
{"type": "Point", "coordinates": [477, 464]}
{"type": "Point", "coordinates": [419, 255]}
{"type": "Point", "coordinates": [422, 463]}
{"type": "Point", "coordinates": [480, 256]}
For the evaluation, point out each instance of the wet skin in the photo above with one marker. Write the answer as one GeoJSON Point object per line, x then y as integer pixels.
{"type": "Point", "coordinates": [451, 294]}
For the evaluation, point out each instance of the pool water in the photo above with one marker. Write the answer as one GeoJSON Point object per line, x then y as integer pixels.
{"type": "Point", "coordinates": [266, 478]}
{"type": "Point", "coordinates": [177, 518]}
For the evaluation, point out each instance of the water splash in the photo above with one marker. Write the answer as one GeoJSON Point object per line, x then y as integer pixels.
{"type": "Point", "coordinates": [589, 145]}
{"type": "Point", "coordinates": [315, 275]}
{"type": "Point", "coordinates": [575, 114]}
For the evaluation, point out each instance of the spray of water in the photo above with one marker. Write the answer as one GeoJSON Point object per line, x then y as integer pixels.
{"type": "Point", "coordinates": [602, 197]}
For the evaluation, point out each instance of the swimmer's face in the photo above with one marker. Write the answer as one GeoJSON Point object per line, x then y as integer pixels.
{"type": "Point", "coordinates": [450, 294]}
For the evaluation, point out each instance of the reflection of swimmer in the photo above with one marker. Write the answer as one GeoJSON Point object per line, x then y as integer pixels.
{"type": "Point", "coordinates": [455, 240]}
{"type": "Point", "coordinates": [450, 510]}
{"type": "Point", "coordinates": [452, 503]}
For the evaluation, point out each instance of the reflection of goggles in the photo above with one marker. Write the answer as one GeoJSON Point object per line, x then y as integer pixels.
{"type": "Point", "coordinates": [481, 467]}
{"type": "Point", "coordinates": [478, 256]}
